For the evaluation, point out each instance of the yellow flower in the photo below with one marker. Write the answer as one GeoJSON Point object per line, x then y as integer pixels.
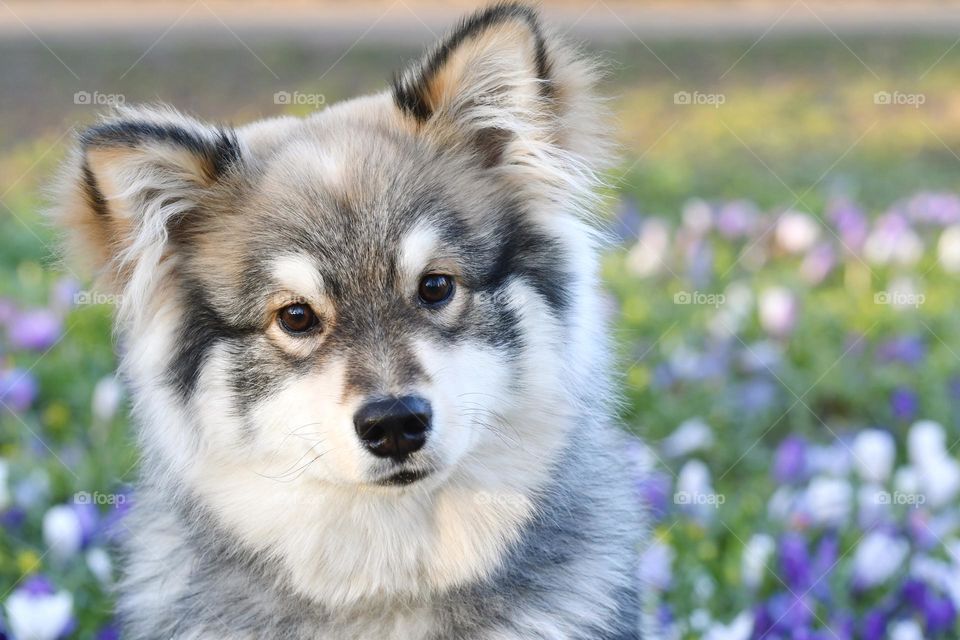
{"type": "Point", "coordinates": [27, 562]}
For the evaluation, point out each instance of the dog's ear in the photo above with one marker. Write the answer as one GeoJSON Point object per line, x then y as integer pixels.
{"type": "Point", "coordinates": [502, 88]}
{"type": "Point", "coordinates": [132, 181]}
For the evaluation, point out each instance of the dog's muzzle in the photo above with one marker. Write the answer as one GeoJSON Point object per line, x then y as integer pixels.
{"type": "Point", "coordinates": [393, 427]}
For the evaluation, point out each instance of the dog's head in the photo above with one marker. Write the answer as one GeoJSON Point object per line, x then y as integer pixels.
{"type": "Point", "coordinates": [395, 291]}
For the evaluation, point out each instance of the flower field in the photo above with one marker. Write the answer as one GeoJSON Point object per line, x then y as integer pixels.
{"type": "Point", "coordinates": [783, 285]}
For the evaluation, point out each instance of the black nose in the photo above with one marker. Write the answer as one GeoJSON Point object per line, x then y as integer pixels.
{"type": "Point", "coordinates": [393, 427]}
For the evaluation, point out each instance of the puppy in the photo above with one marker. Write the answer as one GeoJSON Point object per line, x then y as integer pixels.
{"type": "Point", "coordinates": [367, 356]}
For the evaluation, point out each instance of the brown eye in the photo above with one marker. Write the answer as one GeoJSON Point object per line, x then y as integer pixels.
{"type": "Point", "coordinates": [435, 289]}
{"type": "Point", "coordinates": [297, 318]}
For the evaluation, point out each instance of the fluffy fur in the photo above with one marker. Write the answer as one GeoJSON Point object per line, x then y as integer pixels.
{"type": "Point", "coordinates": [259, 514]}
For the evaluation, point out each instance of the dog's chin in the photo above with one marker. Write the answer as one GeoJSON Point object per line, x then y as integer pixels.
{"type": "Point", "coordinates": [404, 478]}
{"type": "Point", "coordinates": [421, 474]}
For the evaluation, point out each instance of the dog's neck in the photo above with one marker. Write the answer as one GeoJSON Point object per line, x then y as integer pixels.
{"type": "Point", "coordinates": [340, 546]}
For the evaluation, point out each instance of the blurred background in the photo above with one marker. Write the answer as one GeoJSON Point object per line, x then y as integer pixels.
{"type": "Point", "coordinates": [784, 289]}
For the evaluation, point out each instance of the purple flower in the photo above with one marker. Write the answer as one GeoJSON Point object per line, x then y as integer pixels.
{"type": "Point", "coordinates": [874, 625]}
{"type": "Point", "coordinates": [904, 404]}
{"type": "Point", "coordinates": [18, 389]}
{"type": "Point", "coordinates": [790, 460]}
{"type": "Point", "coordinates": [939, 613]}
{"type": "Point", "coordinates": [112, 525]}
{"type": "Point", "coordinates": [38, 585]}
{"type": "Point", "coordinates": [109, 632]}
{"type": "Point", "coordinates": [64, 294]}
{"type": "Point", "coordinates": [818, 263]}
{"type": "Point", "coordinates": [934, 208]}
{"type": "Point", "coordinates": [850, 221]}
{"type": "Point", "coordinates": [790, 612]}
{"type": "Point", "coordinates": [653, 490]}
{"type": "Point", "coordinates": [37, 611]}
{"type": "Point", "coordinates": [824, 563]}
{"type": "Point", "coordinates": [13, 518]}
{"type": "Point", "coordinates": [756, 396]}
{"type": "Point", "coordinates": [906, 349]}
{"type": "Point", "coordinates": [36, 330]}
{"type": "Point", "coordinates": [915, 593]}
{"type": "Point", "coordinates": [763, 621]}
{"type": "Point", "coordinates": [7, 310]}
{"type": "Point", "coordinates": [737, 219]}
{"type": "Point", "coordinates": [795, 561]}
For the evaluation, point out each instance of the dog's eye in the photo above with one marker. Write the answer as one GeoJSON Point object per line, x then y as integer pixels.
{"type": "Point", "coordinates": [297, 318]}
{"type": "Point", "coordinates": [435, 288]}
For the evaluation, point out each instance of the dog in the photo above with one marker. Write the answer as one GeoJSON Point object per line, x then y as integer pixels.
{"type": "Point", "coordinates": [367, 356]}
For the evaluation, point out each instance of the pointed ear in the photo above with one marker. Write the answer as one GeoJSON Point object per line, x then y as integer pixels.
{"type": "Point", "coordinates": [131, 182]}
{"type": "Point", "coordinates": [504, 89]}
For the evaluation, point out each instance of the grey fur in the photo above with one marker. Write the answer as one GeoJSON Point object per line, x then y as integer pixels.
{"type": "Point", "coordinates": [527, 528]}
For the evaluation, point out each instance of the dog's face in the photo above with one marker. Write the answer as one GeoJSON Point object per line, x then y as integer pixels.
{"type": "Point", "coordinates": [388, 293]}
{"type": "Point", "coordinates": [363, 305]}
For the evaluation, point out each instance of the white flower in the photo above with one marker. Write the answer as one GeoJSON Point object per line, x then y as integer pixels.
{"type": "Point", "coordinates": [828, 500]}
{"type": "Point", "coordinates": [937, 472]}
{"type": "Point", "coordinates": [874, 505]}
{"type": "Point", "coordinates": [778, 311]}
{"type": "Point", "coordinates": [926, 440]}
{"type": "Point", "coordinates": [904, 293]}
{"type": "Point", "coordinates": [874, 452]}
{"type": "Point", "coordinates": [948, 249]}
{"type": "Point", "coordinates": [796, 231]}
{"type": "Point", "coordinates": [940, 478]}
{"type": "Point", "coordinates": [762, 356]}
{"type": "Point", "coordinates": [106, 398]}
{"type": "Point", "coordinates": [648, 256]}
{"type": "Point", "coordinates": [741, 628]}
{"type": "Point", "coordinates": [734, 312]}
{"type": "Point", "coordinates": [100, 565]}
{"type": "Point", "coordinates": [695, 492]}
{"type": "Point", "coordinates": [62, 531]}
{"type": "Point", "coordinates": [756, 555]}
{"type": "Point", "coordinates": [694, 478]}
{"type": "Point", "coordinates": [906, 480]}
{"type": "Point", "coordinates": [878, 557]}
{"type": "Point", "coordinates": [886, 246]}
{"type": "Point", "coordinates": [4, 489]}
{"type": "Point", "coordinates": [700, 619]}
{"type": "Point", "coordinates": [39, 616]}
{"type": "Point", "coordinates": [697, 216]}
{"type": "Point", "coordinates": [692, 435]}
{"type": "Point", "coordinates": [906, 630]}
{"type": "Point", "coordinates": [656, 565]}
{"type": "Point", "coordinates": [782, 503]}
{"type": "Point", "coordinates": [831, 460]}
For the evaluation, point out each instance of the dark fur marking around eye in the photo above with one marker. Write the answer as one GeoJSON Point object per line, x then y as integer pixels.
{"type": "Point", "coordinates": [200, 330]}
{"type": "Point", "coordinates": [409, 87]}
